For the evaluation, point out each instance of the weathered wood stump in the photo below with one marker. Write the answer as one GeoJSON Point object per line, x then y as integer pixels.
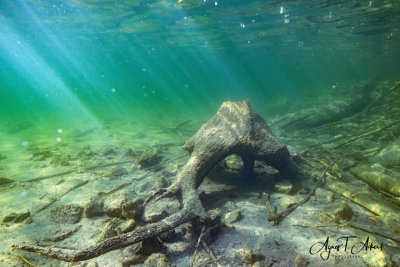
{"type": "Point", "coordinates": [234, 129]}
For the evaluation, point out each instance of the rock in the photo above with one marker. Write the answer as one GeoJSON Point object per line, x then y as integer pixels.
{"type": "Point", "coordinates": [22, 217]}
{"type": "Point", "coordinates": [109, 151]}
{"type": "Point", "coordinates": [5, 181]}
{"type": "Point", "coordinates": [247, 256]}
{"type": "Point", "coordinates": [66, 214]}
{"type": "Point", "coordinates": [344, 212]}
{"type": "Point", "coordinates": [127, 226]}
{"type": "Point", "coordinates": [389, 156]}
{"type": "Point", "coordinates": [94, 208]}
{"type": "Point", "coordinates": [113, 205]}
{"type": "Point", "coordinates": [109, 230]}
{"type": "Point", "coordinates": [233, 216]}
{"type": "Point", "coordinates": [157, 260]}
{"type": "Point", "coordinates": [133, 208]}
{"type": "Point", "coordinates": [129, 152]}
{"type": "Point", "coordinates": [118, 171]}
{"type": "Point", "coordinates": [375, 176]}
{"type": "Point", "coordinates": [10, 217]}
{"type": "Point", "coordinates": [147, 247]}
{"type": "Point", "coordinates": [301, 261]}
{"type": "Point", "coordinates": [149, 158]}
{"type": "Point", "coordinates": [284, 187]}
{"type": "Point", "coordinates": [42, 154]}
{"type": "Point", "coordinates": [233, 163]}
{"type": "Point", "coordinates": [159, 210]}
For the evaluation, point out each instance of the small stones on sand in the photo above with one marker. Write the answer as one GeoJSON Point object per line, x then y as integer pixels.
{"type": "Point", "coordinates": [157, 260]}
{"type": "Point", "coordinates": [66, 214]}
{"type": "Point", "coordinates": [233, 216]}
{"type": "Point", "coordinates": [284, 187]}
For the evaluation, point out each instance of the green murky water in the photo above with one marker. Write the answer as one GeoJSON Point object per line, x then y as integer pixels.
{"type": "Point", "coordinates": [78, 78]}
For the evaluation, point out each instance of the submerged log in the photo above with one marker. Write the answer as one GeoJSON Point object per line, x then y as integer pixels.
{"type": "Point", "coordinates": [234, 129]}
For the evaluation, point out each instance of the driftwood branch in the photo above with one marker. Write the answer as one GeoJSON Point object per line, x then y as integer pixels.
{"type": "Point", "coordinates": [234, 129]}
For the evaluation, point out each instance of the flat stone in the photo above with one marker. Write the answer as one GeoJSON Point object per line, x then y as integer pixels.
{"type": "Point", "coordinates": [66, 214]}
{"type": "Point", "coordinates": [284, 187]}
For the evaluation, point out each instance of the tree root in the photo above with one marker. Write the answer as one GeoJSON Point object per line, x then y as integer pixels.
{"type": "Point", "coordinates": [234, 129]}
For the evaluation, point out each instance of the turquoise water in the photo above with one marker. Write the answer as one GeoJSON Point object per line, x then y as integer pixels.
{"type": "Point", "coordinates": [61, 58]}
{"type": "Point", "coordinates": [88, 75]}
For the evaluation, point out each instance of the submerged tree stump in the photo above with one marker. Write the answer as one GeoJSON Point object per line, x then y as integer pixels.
{"type": "Point", "coordinates": [234, 129]}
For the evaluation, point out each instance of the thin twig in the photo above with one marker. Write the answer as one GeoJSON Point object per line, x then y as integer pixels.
{"type": "Point", "coordinates": [279, 216]}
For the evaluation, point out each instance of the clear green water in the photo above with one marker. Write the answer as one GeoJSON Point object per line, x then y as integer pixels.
{"type": "Point", "coordinates": [64, 64]}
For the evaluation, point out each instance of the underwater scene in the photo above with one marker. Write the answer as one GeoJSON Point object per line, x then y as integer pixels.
{"type": "Point", "coordinates": [199, 133]}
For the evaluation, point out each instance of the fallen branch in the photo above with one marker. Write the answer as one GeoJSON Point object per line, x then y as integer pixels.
{"type": "Point", "coordinates": [234, 129]}
{"type": "Point", "coordinates": [367, 134]}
